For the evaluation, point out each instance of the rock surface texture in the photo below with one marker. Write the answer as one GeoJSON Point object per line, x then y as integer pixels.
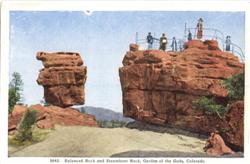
{"type": "Point", "coordinates": [63, 78]}
{"type": "Point", "coordinates": [217, 146]}
{"type": "Point", "coordinates": [160, 87]}
{"type": "Point", "coordinates": [48, 116]}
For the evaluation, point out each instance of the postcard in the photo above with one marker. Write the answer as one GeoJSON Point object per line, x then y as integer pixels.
{"type": "Point", "coordinates": [131, 82]}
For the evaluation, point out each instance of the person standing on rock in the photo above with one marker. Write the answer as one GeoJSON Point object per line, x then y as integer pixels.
{"type": "Point", "coordinates": [174, 44]}
{"type": "Point", "coordinates": [163, 42]}
{"type": "Point", "coordinates": [150, 41]}
{"type": "Point", "coordinates": [189, 35]}
{"type": "Point", "coordinates": [228, 43]}
{"type": "Point", "coordinates": [199, 28]}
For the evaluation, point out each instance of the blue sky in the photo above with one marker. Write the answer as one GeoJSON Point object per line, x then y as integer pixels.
{"type": "Point", "coordinates": [102, 39]}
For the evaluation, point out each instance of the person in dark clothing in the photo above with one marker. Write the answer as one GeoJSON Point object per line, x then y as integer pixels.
{"type": "Point", "coordinates": [199, 28]}
{"type": "Point", "coordinates": [174, 44]}
{"type": "Point", "coordinates": [150, 40]}
{"type": "Point", "coordinates": [228, 43]}
{"type": "Point", "coordinates": [163, 42]}
{"type": "Point", "coordinates": [189, 35]}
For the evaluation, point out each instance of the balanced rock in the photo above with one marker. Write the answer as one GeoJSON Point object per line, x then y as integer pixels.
{"type": "Point", "coordinates": [159, 87]}
{"type": "Point", "coordinates": [63, 78]}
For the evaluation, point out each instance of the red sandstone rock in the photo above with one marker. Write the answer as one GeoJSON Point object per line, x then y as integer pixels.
{"type": "Point", "coordinates": [212, 44]}
{"type": "Point", "coordinates": [235, 124]}
{"type": "Point", "coordinates": [133, 47]}
{"type": "Point", "coordinates": [160, 87]}
{"type": "Point", "coordinates": [49, 116]}
{"type": "Point", "coordinates": [59, 59]}
{"type": "Point", "coordinates": [63, 78]}
{"type": "Point", "coordinates": [206, 45]}
{"type": "Point", "coordinates": [195, 44]}
{"type": "Point", "coordinates": [216, 146]}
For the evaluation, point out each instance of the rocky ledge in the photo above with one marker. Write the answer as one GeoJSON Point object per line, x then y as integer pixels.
{"type": "Point", "coordinates": [159, 87]}
{"type": "Point", "coordinates": [48, 117]}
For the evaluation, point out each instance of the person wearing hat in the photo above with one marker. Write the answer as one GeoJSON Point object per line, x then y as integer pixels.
{"type": "Point", "coordinates": [163, 42]}
{"type": "Point", "coordinates": [199, 28]}
{"type": "Point", "coordinates": [228, 43]}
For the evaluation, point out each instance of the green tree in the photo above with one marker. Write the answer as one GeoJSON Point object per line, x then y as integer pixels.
{"type": "Point", "coordinates": [25, 129]}
{"type": "Point", "coordinates": [15, 90]}
{"type": "Point", "coordinates": [235, 87]}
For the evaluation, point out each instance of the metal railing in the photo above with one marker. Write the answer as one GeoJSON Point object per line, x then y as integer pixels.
{"type": "Point", "coordinates": [209, 34]}
{"type": "Point", "coordinates": [156, 43]}
{"type": "Point", "coordinates": [237, 50]}
{"type": "Point", "coordinates": [212, 32]}
{"type": "Point", "coordinates": [215, 34]}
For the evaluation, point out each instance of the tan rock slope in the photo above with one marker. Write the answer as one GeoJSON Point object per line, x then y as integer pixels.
{"type": "Point", "coordinates": [104, 142]}
{"type": "Point", "coordinates": [160, 87]}
{"type": "Point", "coordinates": [63, 78]}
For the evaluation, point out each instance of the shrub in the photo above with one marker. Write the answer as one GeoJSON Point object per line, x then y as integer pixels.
{"type": "Point", "coordinates": [38, 135]}
{"type": "Point", "coordinates": [235, 87]}
{"type": "Point", "coordinates": [25, 129]}
{"type": "Point", "coordinates": [210, 106]}
{"type": "Point", "coordinates": [111, 124]}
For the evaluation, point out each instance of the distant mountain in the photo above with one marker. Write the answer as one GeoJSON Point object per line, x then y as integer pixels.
{"type": "Point", "coordinates": [102, 114]}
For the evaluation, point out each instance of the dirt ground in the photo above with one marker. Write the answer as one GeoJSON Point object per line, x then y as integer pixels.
{"type": "Point", "coordinates": [103, 142]}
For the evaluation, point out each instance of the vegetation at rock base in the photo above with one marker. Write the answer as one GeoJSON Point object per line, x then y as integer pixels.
{"type": "Point", "coordinates": [210, 106]}
{"type": "Point", "coordinates": [25, 129]}
{"type": "Point", "coordinates": [15, 90]}
{"type": "Point", "coordinates": [38, 135]}
{"type": "Point", "coordinates": [28, 133]}
{"type": "Point", "coordinates": [111, 124]}
{"type": "Point", "coordinates": [235, 88]}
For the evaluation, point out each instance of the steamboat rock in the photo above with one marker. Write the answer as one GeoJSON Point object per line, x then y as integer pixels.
{"type": "Point", "coordinates": [159, 87]}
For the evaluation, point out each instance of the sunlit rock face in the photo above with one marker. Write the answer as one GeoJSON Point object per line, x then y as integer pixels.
{"type": "Point", "coordinates": [63, 78]}
{"type": "Point", "coordinates": [159, 87]}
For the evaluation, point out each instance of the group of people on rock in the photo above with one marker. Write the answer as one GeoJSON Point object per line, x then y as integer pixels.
{"type": "Point", "coordinates": [164, 41]}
